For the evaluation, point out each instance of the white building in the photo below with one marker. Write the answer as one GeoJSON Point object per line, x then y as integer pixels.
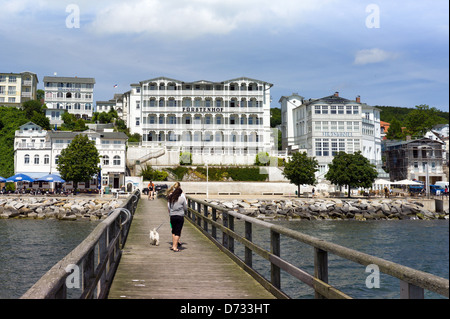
{"type": "Point", "coordinates": [217, 122]}
{"type": "Point", "coordinates": [36, 152]}
{"type": "Point", "coordinates": [72, 94]}
{"type": "Point", "coordinates": [322, 127]}
{"type": "Point", "coordinates": [16, 88]}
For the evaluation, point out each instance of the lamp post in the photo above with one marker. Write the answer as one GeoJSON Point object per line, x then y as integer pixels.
{"type": "Point", "coordinates": [207, 178]}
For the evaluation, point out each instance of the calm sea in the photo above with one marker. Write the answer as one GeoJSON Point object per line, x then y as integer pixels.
{"type": "Point", "coordinates": [29, 248]}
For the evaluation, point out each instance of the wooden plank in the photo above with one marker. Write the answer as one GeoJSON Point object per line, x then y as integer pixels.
{"type": "Point", "coordinates": [199, 271]}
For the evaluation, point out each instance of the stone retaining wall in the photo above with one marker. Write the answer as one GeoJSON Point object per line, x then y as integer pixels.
{"type": "Point", "coordinates": [332, 209]}
{"type": "Point", "coordinates": [69, 208]}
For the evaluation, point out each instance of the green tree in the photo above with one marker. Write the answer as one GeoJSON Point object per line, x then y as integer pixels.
{"type": "Point", "coordinates": [422, 119]}
{"type": "Point", "coordinates": [79, 161]}
{"type": "Point", "coordinates": [352, 170]}
{"type": "Point", "coordinates": [395, 131]}
{"type": "Point", "coordinates": [301, 169]}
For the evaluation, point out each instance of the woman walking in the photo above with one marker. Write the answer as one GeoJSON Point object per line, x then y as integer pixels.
{"type": "Point", "coordinates": [177, 207]}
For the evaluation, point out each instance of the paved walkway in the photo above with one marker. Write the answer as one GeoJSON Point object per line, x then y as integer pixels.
{"type": "Point", "coordinates": [199, 271]}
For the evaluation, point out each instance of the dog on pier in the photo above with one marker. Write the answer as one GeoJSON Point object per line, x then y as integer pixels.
{"type": "Point", "coordinates": [154, 236]}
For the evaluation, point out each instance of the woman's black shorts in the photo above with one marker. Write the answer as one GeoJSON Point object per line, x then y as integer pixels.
{"type": "Point", "coordinates": [177, 224]}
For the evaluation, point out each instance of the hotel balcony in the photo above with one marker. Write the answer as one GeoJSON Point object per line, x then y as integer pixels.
{"type": "Point", "coordinates": [33, 146]}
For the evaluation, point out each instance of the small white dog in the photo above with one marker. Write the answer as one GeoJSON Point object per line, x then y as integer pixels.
{"type": "Point", "coordinates": [154, 236]}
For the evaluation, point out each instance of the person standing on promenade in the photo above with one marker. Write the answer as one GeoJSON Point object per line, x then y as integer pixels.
{"type": "Point", "coordinates": [151, 190]}
{"type": "Point", "coordinates": [177, 206]}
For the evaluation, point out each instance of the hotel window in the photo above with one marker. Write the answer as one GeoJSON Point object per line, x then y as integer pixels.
{"type": "Point", "coordinates": [188, 120]}
{"type": "Point", "coordinates": [152, 102]}
{"type": "Point", "coordinates": [324, 109]}
{"type": "Point", "coordinates": [161, 103]}
{"type": "Point", "coordinates": [36, 159]}
{"type": "Point", "coordinates": [197, 119]}
{"type": "Point", "coordinates": [232, 120]}
{"type": "Point", "coordinates": [172, 103]}
{"type": "Point", "coordinates": [333, 126]}
{"type": "Point", "coordinates": [151, 120]}
{"type": "Point", "coordinates": [11, 90]}
{"type": "Point", "coordinates": [317, 109]}
{"type": "Point", "coordinates": [172, 120]}
{"type": "Point", "coordinates": [138, 105]}
{"type": "Point", "coordinates": [57, 159]}
{"type": "Point", "coordinates": [250, 120]}
{"type": "Point", "coordinates": [356, 127]}
{"type": "Point", "coordinates": [325, 126]}
{"type": "Point", "coordinates": [348, 109]}
{"type": "Point", "coordinates": [27, 159]}
{"type": "Point", "coordinates": [317, 126]}
{"type": "Point", "coordinates": [187, 102]}
{"type": "Point", "coordinates": [138, 121]}
{"type": "Point", "coordinates": [218, 103]}
{"type": "Point", "coordinates": [12, 79]}
{"type": "Point", "coordinates": [12, 100]}
{"type": "Point", "coordinates": [208, 103]}
{"type": "Point", "coordinates": [218, 120]}
{"type": "Point", "coordinates": [197, 102]}
{"type": "Point", "coordinates": [333, 109]}
{"type": "Point", "coordinates": [233, 103]}
{"type": "Point", "coordinates": [88, 106]}
{"type": "Point", "coordinates": [340, 109]}
{"type": "Point", "coordinates": [334, 147]}
{"type": "Point", "coordinates": [208, 119]}
{"type": "Point", "coordinates": [77, 106]}
{"type": "Point", "coordinates": [2, 90]}
{"type": "Point", "coordinates": [355, 109]}
{"type": "Point", "coordinates": [116, 160]}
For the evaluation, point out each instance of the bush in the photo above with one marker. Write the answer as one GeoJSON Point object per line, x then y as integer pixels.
{"type": "Point", "coordinates": [179, 172]}
{"type": "Point", "coordinates": [150, 174]}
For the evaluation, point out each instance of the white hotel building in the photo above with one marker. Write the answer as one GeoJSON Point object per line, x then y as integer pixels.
{"type": "Point", "coordinates": [322, 127]}
{"type": "Point", "coordinates": [71, 94]}
{"type": "Point", "coordinates": [217, 122]}
{"type": "Point", "coordinates": [36, 152]}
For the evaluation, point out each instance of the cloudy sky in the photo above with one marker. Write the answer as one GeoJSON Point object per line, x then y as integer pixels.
{"type": "Point", "coordinates": [389, 52]}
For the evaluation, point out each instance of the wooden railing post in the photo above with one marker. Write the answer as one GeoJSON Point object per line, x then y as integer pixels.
{"type": "Point", "coordinates": [205, 213]}
{"type": "Point", "coordinates": [231, 227]}
{"type": "Point", "coordinates": [225, 224]}
{"type": "Point", "coordinates": [248, 251]}
{"type": "Point", "coordinates": [320, 267]}
{"type": "Point", "coordinates": [213, 228]}
{"type": "Point", "coordinates": [409, 291]}
{"type": "Point", "coordinates": [275, 250]}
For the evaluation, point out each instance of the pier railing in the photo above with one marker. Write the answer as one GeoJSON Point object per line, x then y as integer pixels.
{"type": "Point", "coordinates": [88, 270]}
{"type": "Point", "coordinates": [205, 216]}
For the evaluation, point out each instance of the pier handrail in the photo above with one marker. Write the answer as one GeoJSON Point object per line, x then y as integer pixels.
{"type": "Point", "coordinates": [412, 282]}
{"type": "Point", "coordinates": [94, 260]}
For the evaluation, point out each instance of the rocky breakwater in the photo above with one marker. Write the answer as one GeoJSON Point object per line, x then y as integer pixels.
{"type": "Point", "coordinates": [57, 208]}
{"type": "Point", "coordinates": [331, 209]}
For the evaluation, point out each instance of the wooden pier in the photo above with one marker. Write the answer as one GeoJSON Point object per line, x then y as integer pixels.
{"type": "Point", "coordinates": [199, 271]}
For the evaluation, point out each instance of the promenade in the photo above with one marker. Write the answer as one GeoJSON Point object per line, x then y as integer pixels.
{"type": "Point", "coordinates": [199, 271]}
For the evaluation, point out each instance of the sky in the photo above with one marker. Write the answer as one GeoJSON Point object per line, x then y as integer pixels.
{"type": "Point", "coordinates": [393, 53]}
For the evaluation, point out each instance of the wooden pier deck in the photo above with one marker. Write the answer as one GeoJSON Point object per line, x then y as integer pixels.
{"type": "Point", "coordinates": [199, 271]}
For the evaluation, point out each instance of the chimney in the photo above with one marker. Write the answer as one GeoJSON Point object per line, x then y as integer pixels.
{"type": "Point", "coordinates": [358, 99]}
{"type": "Point", "coordinates": [336, 94]}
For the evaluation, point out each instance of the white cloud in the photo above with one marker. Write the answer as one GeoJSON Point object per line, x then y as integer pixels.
{"type": "Point", "coordinates": [375, 55]}
{"type": "Point", "coordinates": [192, 18]}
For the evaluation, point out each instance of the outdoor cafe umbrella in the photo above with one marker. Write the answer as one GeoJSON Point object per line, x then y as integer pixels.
{"type": "Point", "coordinates": [51, 178]}
{"type": "Point", "coordinates": [2, 179]}
{"type": "Point", "coordinates": [406, 182]}
{"type": "Point", "coordinates": [20, 178]}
